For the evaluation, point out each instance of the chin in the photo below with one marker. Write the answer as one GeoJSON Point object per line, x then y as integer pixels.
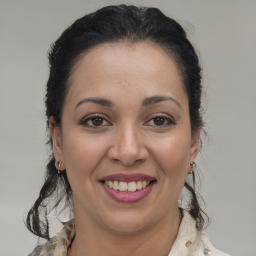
{"type": "Point", "coordinates": [127, 223]}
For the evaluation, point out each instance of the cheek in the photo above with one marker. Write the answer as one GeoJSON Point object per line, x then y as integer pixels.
{"type": "Point", "coordinates": [172, 154]}
{"type": "Point", "coordinates": [82, 154]}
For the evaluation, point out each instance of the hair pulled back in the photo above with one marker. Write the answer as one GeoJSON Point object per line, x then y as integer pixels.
{"type": "Point", "coordinates": [112, 24]}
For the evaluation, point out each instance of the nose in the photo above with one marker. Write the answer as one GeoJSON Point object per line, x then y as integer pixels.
{"type": "Point", "coordinates": [128, 147]}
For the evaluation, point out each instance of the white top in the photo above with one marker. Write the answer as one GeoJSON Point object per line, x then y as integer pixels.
{"type": "Point", "coordinates": [189, 241]}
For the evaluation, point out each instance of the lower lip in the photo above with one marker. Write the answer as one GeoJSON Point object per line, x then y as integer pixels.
{"type": "Point", "coordinates": [128, 197]}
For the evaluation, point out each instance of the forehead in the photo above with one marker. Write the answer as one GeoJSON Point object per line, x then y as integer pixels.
{"type": "Point", "coordinates": [141, 68]}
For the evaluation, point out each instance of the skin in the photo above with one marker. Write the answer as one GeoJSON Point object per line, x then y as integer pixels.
{"type": "Point", "coordinates": [127, 140]}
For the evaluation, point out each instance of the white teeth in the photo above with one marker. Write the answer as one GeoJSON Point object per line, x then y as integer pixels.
{"type": "Point", "coordinates": [110, 184]}
{"type": "Point", "coordinates": [115, 185]}
{"type": "Point", "coordinates": [139, 185]}
{"type": "Point", "coordinates": [131, 186]}
{"type": "Point", "coordinates": [123, 186]}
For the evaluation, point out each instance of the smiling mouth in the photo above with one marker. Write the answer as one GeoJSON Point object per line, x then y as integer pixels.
{"type": "Point", "coordinates": [124, 186]}
{"type": "Point", "coordinates": [127, 182]}
{"type": "Point", "coordinates": [128, 188]}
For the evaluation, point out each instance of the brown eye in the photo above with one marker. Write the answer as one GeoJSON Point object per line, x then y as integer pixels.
{"type": "Point", "coordinates": [159, 120]}
{"type": "Point", "coordinates": [97, 121]}
{"type": "Point", "coordinates": [94, 121]}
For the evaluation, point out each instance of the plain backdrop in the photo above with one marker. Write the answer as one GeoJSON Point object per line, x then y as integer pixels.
{"type": "Point", "coordinates": [224, 34]}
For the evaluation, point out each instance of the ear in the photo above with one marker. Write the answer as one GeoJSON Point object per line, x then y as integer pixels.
{"type": "Point", "coordinates": [195, 144]}
{"type": "Point", "coordinates": [56, 141]}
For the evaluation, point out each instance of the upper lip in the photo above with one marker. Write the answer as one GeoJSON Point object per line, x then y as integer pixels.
{"type": "Point", "coordinates": [127, 177]}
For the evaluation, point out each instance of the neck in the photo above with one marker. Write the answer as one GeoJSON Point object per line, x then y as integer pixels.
{"type": "Point", "coordinates": [94, 240]}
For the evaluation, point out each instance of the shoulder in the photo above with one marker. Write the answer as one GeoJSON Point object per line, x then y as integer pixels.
{"type": "Point", "coordinates": [209, 249]}
{"type": "Point", "coordinates": [46, 249]}
{"type": "Point", "coordinates": [190, 241]}
{"type": "Point", "coordinates": [36, 251]}
{"type": "Point", "coordinates": [57, 245]}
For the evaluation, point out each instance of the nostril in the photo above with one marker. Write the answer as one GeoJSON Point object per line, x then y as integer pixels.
{"type": "Point", "coordinates": [115, 160]}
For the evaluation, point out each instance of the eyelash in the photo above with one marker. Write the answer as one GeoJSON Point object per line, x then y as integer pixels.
{"type": "Point", "coordinates": [170, 121]}
{"type": "Point", "coordinates": [89, 119]}
{"type": "Point", "coordinates": [85, 121]}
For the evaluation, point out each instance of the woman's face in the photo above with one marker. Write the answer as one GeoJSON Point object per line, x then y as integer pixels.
{"type": "Point", "coordinates": [125, 126]}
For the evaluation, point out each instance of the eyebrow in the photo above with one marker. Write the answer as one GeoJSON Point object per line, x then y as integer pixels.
{"type": "Point", "coordinates": [146, 102]}
{"type": "Point", "coordinates": [99, 101]}
{"type": "Point", "coordinates": [158, 98]}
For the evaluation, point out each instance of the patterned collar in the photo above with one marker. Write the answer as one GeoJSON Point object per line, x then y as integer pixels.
{"type": "Point", "coordinates": [189, 241]}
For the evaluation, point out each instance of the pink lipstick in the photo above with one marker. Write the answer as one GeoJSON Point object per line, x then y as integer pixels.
{"type": "Point", "coordinates": [127, 188]}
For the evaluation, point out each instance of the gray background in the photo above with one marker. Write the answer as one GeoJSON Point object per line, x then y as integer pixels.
{"type": "Point", "coordinates": [225, 35]}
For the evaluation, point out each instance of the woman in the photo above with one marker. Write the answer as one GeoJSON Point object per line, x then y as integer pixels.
{"type": "Point", "coordinates": [123, 104]}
